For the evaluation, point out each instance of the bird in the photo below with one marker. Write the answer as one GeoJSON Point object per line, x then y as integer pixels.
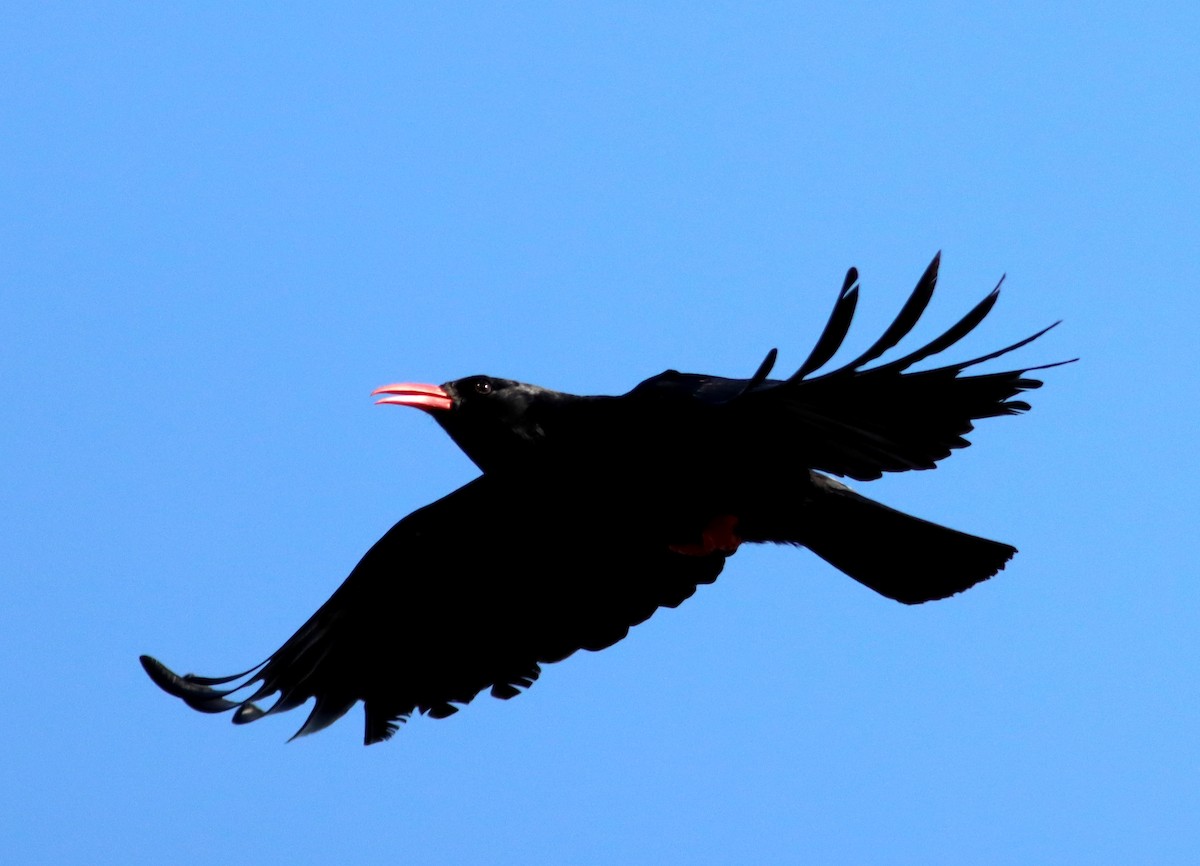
{"type": "Point", "coordinates": [592, 512]}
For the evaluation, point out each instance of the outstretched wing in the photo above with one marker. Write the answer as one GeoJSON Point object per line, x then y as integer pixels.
{"type": "Point", "coordinates": [472, 592]}
{"type": "Point", "coordinates": [861, 421]}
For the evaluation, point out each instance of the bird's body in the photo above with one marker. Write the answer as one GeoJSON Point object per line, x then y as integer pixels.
{"type": "Point", "coordinates": [593, 512]}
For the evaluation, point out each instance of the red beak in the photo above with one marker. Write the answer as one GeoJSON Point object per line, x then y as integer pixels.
{"type": "Point", "coordinates": [430, 398]}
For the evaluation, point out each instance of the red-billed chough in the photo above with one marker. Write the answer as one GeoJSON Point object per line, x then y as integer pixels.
{"type": "Point", "coordinates": [593, 512]}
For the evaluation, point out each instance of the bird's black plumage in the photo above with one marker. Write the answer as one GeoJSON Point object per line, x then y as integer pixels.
{"type": "Point", "coordinates": [593, 512]}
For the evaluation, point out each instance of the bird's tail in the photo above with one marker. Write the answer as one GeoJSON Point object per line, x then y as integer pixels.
{"type": "Point", "coordinates": [897, 555]}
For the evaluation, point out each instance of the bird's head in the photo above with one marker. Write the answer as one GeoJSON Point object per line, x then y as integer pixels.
{"type": "Point", "coordinates": [496, 422]}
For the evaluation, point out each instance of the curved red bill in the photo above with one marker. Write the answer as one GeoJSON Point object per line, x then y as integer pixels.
{"type": "Point", "coordinates": [431, 398]}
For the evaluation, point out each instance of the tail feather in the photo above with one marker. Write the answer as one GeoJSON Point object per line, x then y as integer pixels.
{"type": "Point", "coordinates": [897, 555]}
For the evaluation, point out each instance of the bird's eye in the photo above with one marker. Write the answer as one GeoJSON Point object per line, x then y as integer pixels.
{"type": "Point", "coordinates": [483, 386]}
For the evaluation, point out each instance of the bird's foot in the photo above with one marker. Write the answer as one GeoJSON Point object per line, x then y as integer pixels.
{"type": "Point", "coordinates": [719, 535]}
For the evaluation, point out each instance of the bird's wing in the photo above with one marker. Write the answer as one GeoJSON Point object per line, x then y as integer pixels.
{"type": "Point", "coordinates": [859, 420]}
{"type": "Point", "coordinates": [474, 591]}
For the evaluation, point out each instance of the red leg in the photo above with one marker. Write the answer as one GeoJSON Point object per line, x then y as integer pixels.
{"type": "Point", "coordinates": [718, 535]}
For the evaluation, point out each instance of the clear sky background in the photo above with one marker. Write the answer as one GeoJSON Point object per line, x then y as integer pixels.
{"type": "Point", "coordinates": [223, 224]}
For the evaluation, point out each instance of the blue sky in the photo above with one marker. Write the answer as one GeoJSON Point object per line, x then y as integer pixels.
{"type": "Point", "coordinates": [223, 225]}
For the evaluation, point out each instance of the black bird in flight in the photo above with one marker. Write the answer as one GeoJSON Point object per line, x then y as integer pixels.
{"type": "Point", "coordinates": [593, 512]}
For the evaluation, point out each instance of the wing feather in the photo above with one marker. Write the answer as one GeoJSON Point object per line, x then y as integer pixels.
{"type": "Point", "coordinates": [475, 591]}
{"type": "Point", "coordinates": [836, 328]}
{"type": "Point", "coordinates": [861, 421]}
